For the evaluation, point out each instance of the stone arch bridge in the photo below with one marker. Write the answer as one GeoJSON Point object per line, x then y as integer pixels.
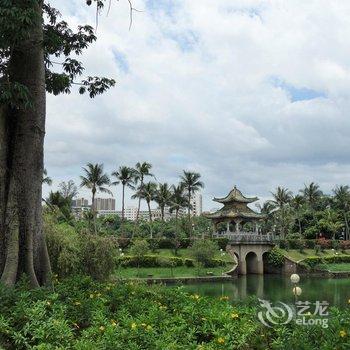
{"type": "Point", "coordinates": [249, 250]}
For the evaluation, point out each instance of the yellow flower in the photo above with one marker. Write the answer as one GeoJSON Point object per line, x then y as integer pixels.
{"type": "Point", "coordinates": [195, 296]}
{"type": "Point", "coordinates": [342, 333]}
{"type": "Point", "coordinates": [221, 340]}
{"type": "Point", "coordinates": [133, 325]}
{"type": "Point", "coordinates": [48, 303]}
{"type": "Point", "coordinates": [149, 327]}
{"type": "Point", "coordinates": [91, 296]}
{"type": "Point", "coordinates": [204, 319]}
{"type": "Point", "coordinates": [234, 315]}
{"type": "Point", "coordinates": [108, 288]}
{"type": "Point", "coordinates": [143, 324]}
{"type": "Point", "coordinates": [102, 328]}
{"type": "Point", "coordinates": [224, 298]}
{"type": "Point", "coordinates": [77, 303]}
{"type": "Point", "coordinates": [113, 323]}
{"type": "Point", "coordinates": [99, 294]}
{"type": "Point", "coordinates": [76, 325]}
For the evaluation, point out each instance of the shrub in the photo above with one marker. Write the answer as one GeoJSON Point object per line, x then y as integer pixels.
{"type": "Point", "coordinates": [83, 314]}
{"type": "Point", "coordinates": [221, 242]}
{"type": "Point", "coordinates": [323, 243]}
{"type": "Point", "coordinates": [275, 257]}
{"type": "Point", "coordinates": [310, 243]}
{"type": "Point", "coordinates": [203, 251]}
{"type": "Point", "coordinates": [317, 249]}
{"type": "Point", "coordinates": [284, 244]}
{"type": "Point", "coordinates": [75, 253]}
{"type": "Point", "coordinates": [99, 256]}
{"type": "Point", "coordinates": [344, 245]}
{"type": "Point", "coordinates": [124, 242]}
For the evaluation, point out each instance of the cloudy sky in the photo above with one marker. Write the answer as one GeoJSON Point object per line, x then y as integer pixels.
{"type": "Point", "coordinates": [247, 92]}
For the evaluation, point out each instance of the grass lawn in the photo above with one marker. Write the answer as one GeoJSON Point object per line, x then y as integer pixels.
{"type": "Point", "coordinates": [296, 255]}
{"type": "Point", "coordinates": [341, 267]}
{"type": "Point", "coordinates": [180, 271]}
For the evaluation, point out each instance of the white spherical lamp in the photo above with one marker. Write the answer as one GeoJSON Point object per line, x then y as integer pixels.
{"type": "Point", "coordinates": [295, 278]}
{"type": "Point", "coordinates": [297, 291]}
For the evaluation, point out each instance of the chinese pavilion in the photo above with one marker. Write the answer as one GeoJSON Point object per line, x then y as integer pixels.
{"type": "Point", "coordinates": [235, 212]}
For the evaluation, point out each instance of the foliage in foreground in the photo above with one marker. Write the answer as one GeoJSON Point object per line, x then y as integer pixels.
{"type": "Point", "coordinates": [82, 314]}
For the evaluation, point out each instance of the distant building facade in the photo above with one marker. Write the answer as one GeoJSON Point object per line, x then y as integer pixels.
{"type": "Point", "coordinates": [102, 204]}
{"type": "Point", "coordinates": [197, 205]}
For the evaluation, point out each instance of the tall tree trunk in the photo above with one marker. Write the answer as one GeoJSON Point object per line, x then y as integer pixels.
{"type": "Point", "coordinates": [162, 212]}
{"type": "Point", "coordinates": [123, 195]}
{"type": "Point", "coordinates": [139, 203]}
{"type": "Point", "coordinates": [149, 211]}
{"type": "Point", "coordinates": [24, 160]}
{"type": "Point", "coordinates": [93, 204]}
{"type": "Point", "coordinates": [150, 217]}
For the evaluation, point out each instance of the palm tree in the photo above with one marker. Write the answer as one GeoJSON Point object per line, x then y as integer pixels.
{"type": "Point", "coordinates": [282, 197]}
{"type": "Point", "coordinates": [95, 180]}
{"type": "Point", "coordinates": [178, 200]}
{"type": "Point", "coordinates": [126, 176]}
{"type": "Point", "coordinates": [312, 194]}
{"type": "Point", "coordinates": [342, 203]}
{"type": "Point", "coordinates": [297, 204]}
{"type": "Point", "coordinates": [192, 184]}
{"type": "Point", "coordinates": [147, 193]}
{"type": "Point", "coordinates": [46, 179]}
{"type": "Point", "coordinates": [140, 172]}
{"type": "Point", "coordinates": [162, 197]}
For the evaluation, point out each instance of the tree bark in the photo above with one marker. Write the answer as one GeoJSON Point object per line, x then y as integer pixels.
{"type": "Point", "coordinates": [94, 209]}
{"type": "Point", "coordinates": [123, 195]}
{"type": "Point", "coordinates": [23, 152]}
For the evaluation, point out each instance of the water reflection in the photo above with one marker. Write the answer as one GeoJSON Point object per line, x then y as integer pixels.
{"type": "Point", "coordinates": [277, 288]}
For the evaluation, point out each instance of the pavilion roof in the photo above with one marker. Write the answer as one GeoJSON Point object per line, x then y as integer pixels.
{"type": "Point", "coordinates": [236, 196]}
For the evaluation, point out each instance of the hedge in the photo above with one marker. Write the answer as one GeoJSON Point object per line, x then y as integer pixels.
{"type": "Point", "coordinates": [314, 261]}
{"type": "Point", "coordinates": [159, 261]}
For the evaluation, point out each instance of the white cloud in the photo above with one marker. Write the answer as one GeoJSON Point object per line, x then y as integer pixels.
{"type": "Point", "coordinates": [197, 94]}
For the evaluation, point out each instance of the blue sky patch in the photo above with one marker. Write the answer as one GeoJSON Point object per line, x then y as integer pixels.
{"type": "Point", "coordinates": [121, 60]}
{"type": "Point", "coordinates": [297, 93]}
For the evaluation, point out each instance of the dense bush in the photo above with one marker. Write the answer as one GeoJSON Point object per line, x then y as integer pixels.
{"type": "Point", "coordinates": [221, 242]}
{"type": "Point", "coordinates": [203, 251]}
{"type": "Point", "coordinates": [75, 253]}
{"type": "Point", "coordinates": [85, 315]}
{"type": "Point", "coordinates": [275, 257]}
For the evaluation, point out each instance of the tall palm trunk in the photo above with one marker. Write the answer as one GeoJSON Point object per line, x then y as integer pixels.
{"type": "Point", "coordinates": [94, 209]}
{"type": "Point", "coordinates": [123, 196]}
{"type": "Point", "coordinates": [150, 217]}
{"type": "Point", "coordinates": [149, 211]}
{"type": "Point", "coordinates": [162, 212]}
{"type": "Point", "coordinates": [22, 156]}
{"type": "Point", "coordinates": [139, 203]}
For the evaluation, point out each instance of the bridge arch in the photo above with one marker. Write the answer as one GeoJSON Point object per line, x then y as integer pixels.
{"type": "Point", "coordinates": [252, 263]}
{"type": "Point", "coordinates": [250, 257]}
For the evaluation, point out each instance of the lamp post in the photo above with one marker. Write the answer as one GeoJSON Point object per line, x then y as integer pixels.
{"type": "Point", "coordinates": [295, 278]}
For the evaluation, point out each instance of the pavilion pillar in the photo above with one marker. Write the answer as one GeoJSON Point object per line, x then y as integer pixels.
{"type": "Point", "coordinates": [228, 227]}
{"type": "Point", "coordinates": [237, 225]}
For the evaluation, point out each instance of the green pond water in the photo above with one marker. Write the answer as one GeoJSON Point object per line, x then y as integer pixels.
{"type": "Point", "coordinates": [277, 288]}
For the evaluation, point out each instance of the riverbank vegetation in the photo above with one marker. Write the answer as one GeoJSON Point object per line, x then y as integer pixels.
{"type": "Point", "coordinates": [83, 314]}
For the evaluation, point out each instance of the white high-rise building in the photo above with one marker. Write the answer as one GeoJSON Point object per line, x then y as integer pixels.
{"type": "Point", "coordinates": [196, 203]}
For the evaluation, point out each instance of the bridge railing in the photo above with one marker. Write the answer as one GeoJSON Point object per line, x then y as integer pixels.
{"type": "Point", "coordinates": [246, 237]}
